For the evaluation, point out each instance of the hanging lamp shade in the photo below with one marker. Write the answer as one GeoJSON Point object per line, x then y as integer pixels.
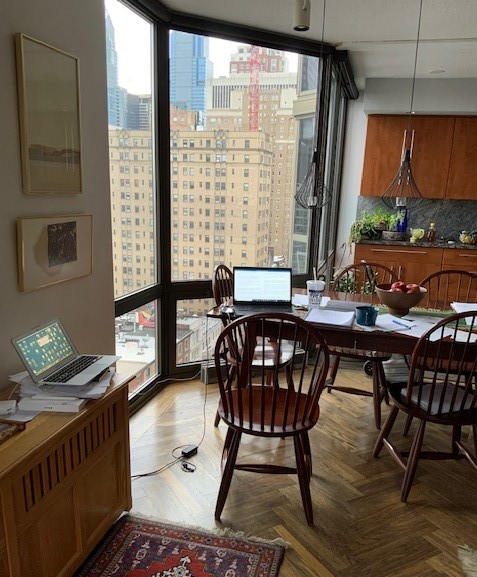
{"type": "Point", "coordinates": [313, 193]}
{"type": "Point", "coordinates": [403, 184]}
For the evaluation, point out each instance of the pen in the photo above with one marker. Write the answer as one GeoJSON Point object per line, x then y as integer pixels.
{"type": "Point", "coordinates": [401, 324]}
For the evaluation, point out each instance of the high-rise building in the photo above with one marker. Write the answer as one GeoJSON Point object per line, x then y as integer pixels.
{"type": "Point", "coordinates": [112, 74]}
{"type": "Point", "coordinates": [190, 68]}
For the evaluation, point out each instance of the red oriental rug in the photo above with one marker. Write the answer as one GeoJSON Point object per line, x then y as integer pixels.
{"type": "Point", "coordinates": [138, 547]}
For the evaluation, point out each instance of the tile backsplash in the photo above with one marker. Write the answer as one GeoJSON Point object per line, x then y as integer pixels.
{"type": "Point", "coordinates": [451, 216]}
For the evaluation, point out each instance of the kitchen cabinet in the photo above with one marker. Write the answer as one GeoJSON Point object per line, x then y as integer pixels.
{"type": "Point", "coordinates": [462, 179]}
{"type": "Point", "coordinates": [460, 259]}
{"type": "Point", "coordinates": [431, 157]}
{"type": "Point", "coordinates": [410, 264]}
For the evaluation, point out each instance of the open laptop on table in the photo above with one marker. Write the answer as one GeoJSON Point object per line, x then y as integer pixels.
{"type": "Point", "coordinates": [51, 358]}
{"type": "Point", "coordinates": [258, 290]}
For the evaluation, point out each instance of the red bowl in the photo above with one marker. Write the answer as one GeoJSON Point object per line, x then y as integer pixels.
{"type": "Point", "coordinates": [399, 303]}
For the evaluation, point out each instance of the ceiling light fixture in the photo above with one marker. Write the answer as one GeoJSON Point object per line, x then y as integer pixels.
{"type": "Point", "coordinates": [313, 192]}
{"type": "Point", "coordinates": [403, 185]}
{"type": "Point", "coordinates": [302, 15]}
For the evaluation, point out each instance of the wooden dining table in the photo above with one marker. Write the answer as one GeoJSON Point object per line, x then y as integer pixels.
{"type": "Point", "coordinates": [355, 337]}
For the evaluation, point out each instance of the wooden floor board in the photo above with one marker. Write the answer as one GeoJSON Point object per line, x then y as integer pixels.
{"type": "Point", "coordinates": [361, 526]}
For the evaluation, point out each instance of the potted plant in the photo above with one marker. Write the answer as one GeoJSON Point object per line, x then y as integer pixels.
{"type": "Point", "coordinates": [371, 225]}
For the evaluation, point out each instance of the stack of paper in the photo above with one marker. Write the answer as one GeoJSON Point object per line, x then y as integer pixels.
{"type": "Point", "coordinates": [331, 317]}
{"type": "Point", "coordinates": [62, 398]}
{"type": "Point", "coordinates": [464, 308]}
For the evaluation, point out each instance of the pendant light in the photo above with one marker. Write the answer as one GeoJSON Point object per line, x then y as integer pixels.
{"type": "Point", "coordinates": [313, 193]}
{"type": "Point", "coordinates": [403, 186]}
{"type": "Point", "coordinates": [302, 15]}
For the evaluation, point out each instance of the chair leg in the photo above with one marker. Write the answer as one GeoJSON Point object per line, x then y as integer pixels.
{"type": "Point", "coordinates": [474, 433]}
{"type": "Point", "coordinates": [407, 426]}
{"type": "Point", "coordinates": [303, 478]}
{"type": "Point", "coordinates": [412, 461]}
{"type": "Point", "coordinates": [217, 419]}
{"type": "Point", "coordinates": [334, 369]}
{"type": "Point", "coordinates": [380, 391]}
{"type": "Point", "coordinates": [384, 434]}
{"type": "Point", "coordinates": [305, 441]}
{"type": "Point", "coordinates": [456, 436]}
{"type": "Point", "coordinates": [232, 446]}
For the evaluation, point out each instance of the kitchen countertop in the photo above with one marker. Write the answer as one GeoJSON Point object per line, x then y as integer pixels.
{"type": "Point", "coordinates": [436, 244]}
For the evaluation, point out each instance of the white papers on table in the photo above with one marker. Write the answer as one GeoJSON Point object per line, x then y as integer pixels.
{"type": "Point", "coordinates": [342, 305]}
{"type": "Point", "coordinates": [93, 390]}
{"type": "Point", "coordinates": [422, 323]}
{"type": "Point", "coordinates": [301, 300]}
{"type": "Point", "coordinates": [464, 308]}
{"type": "Point", "coordinates": [389, 323]}
{"type": "Point", "coordinates": [330, 317]}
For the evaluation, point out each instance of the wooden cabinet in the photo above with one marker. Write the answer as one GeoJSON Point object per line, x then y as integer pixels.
{"type": "Point", "coordinates": [410, 264]}
{"type": "Point", "coordinates": [462, 179]}
{"type": "Point", "coordinates": [63, 483]}
{"type": "Point", "coordinates": [433, 138]}
{"type": "Point", "coordinates": [460, 259]}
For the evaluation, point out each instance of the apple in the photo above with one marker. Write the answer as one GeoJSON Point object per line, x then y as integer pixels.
{"type": "Point", "coordinates": [396, 290]}
{"type": "Point", "coordinates": [412, 288]}
{"type": "Point", "coordinates": [399, 285]}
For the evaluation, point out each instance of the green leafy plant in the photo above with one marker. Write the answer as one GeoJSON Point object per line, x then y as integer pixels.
{"type": "Point", "coordinates": [371, 224]}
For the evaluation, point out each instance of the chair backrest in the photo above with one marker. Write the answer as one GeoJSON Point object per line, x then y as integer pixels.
{"type": "Point", "coordinates": [271, 370]}
{"type": "Point", "coordinates": [446, 286]}
{"type": "Point", "coordinates": [443, 370]}
{"type": "Point", "coordinates": [362, 278]}
{"type": "Point", "coordinates": [222, 284]}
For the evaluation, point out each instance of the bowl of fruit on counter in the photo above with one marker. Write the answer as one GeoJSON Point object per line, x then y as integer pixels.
{"type": "Point", "coordinates": [399, 297]}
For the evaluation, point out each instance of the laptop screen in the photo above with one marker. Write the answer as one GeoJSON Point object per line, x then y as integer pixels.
{"type": "Point", "coordinates": [262, 285]}
{"type": "Point", "coordinates": [44, 348]}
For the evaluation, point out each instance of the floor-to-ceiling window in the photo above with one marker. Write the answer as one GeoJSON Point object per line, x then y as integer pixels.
{"type": "Point", "coordinates": [204, 170]}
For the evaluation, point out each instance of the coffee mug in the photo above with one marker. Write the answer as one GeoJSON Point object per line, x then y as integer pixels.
{"type": "Point", "coordinates": [366, 315]}
{"type": "Point", "coordinates": [315, 290]}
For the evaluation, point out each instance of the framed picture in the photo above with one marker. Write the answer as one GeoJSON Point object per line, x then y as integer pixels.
{"type": "Point", "coordinates": [53, 249]}
{"type": "Point", "coordinates": [48, 104]}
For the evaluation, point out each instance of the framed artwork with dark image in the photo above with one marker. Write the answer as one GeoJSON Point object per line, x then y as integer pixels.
{"type": "Point", "coordinates": [49, 114]}
{"type": "Point", "coordinates": [53, 249]}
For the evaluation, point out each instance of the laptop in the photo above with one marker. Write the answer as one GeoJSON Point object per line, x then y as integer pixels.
{"type": "Point", "coordinates": [51, 358]}
{"type": "Point", "coordinates": [258, 290]}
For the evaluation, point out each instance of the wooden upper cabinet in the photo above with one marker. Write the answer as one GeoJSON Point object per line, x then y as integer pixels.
{"type": "Point", "coordinates": [430, 158]}
{"type": "Point", "coordinates": [462, 182]}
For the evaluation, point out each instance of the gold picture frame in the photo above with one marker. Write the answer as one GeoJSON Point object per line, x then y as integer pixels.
{"type": "Point", "coordinates": [53, 249]}
{"type": "Point", "coordinates": [49, 115]}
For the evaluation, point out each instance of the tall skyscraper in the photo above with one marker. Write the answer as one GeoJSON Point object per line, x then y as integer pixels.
{"type": "Point", "coordinates": [190, 68]}
{"type": "Point", "coordinates": [112, 74]}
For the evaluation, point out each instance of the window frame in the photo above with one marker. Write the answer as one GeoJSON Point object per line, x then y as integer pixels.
{"type": "Point", "coordinates": [168, 291]}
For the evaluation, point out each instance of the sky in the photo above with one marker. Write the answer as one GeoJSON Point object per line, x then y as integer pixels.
{"type": "Point", "coordinates": [133, 45]}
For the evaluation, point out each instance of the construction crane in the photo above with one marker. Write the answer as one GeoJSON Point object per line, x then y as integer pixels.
{"type": "Point", "coordinates": [253, 100]}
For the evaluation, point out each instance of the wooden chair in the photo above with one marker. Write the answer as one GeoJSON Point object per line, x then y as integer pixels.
{"type": "Point", "coordinates": [222, 285]}
{"type": "Point", "coordinates": [446, 286]}
{"type": "Point", "coordinates": [223, 291]}
{"type": "Point", "coordinates": [251, 347]}
{"type": "Point", "coordinates": [443, 287]}
{"type": "Point", "coordinates": [441, 389]}
{"type": "Point", "coordinates": [362, 278]}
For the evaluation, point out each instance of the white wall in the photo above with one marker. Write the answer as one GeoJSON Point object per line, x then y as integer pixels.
{"type": "Point", "coordinates": [85, 305]}
{"type": "Point", "coordinates": [351, 178]}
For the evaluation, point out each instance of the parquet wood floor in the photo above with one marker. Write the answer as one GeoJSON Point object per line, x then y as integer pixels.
{"type": "Point", "coordinates": [361, 527]}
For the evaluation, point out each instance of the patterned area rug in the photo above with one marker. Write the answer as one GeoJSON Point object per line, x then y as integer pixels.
{"type": "Point", "coordinates": [138, 547]}
{"type": "Point", "coordinates": [468, 559]}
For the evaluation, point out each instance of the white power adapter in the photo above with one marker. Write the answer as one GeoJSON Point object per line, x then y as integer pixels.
{"type": "Point", "coordinates": [8, 407]}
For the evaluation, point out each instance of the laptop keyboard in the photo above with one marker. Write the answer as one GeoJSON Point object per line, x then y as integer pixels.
{"type": "Point", "coordinates": [75, 367]}
{"type": "Point", "coordinates": [265, 308]}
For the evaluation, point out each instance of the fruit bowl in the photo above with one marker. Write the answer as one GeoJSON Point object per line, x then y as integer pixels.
{"type": "Point", "coordinates": [399, 302]}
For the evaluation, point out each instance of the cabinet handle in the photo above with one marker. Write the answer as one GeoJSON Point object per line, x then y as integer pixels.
{"type": "Point", "coordinates": [468, 255]}
{"type": "Point", "coordinates": [400, 251]}
{"type": "Point", "coordinates": [399, 272]}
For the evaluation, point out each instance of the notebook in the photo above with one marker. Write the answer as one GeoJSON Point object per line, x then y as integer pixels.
{"type": "Point", "coordinates": [259, 290]}
{"type": "Point", "coordinates": [51, 358]}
